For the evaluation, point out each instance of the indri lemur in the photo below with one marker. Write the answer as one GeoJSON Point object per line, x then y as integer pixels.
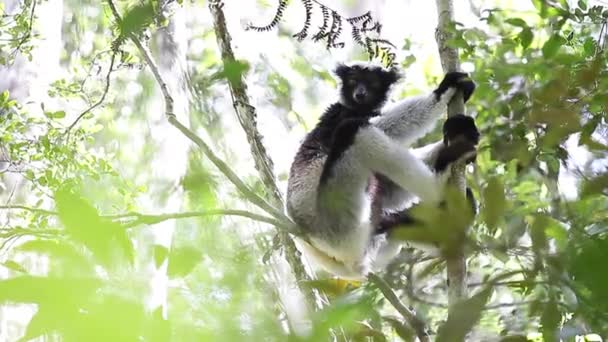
{"type": "Point", "coordinates": [353, 175]}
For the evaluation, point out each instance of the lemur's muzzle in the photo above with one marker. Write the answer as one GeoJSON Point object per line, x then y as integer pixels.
{"type": "Point", "coordinates": [360, 94]}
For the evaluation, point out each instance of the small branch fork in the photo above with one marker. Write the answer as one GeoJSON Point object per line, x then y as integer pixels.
{"type": "Point", "coordinates": [409, 315]}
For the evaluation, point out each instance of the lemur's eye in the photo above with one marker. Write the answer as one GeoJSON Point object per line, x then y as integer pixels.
{"type": "Point", "coordinates": [351, 82]}
{"type": "Point", "coordinates": [376, 84]}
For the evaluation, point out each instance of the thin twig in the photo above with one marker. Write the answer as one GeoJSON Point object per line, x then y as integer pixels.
{"type": "Point", "coordinates": [135, 219]}
{"type": "Point", "coordinates": [31, 209]}
{"type": "Point", "coordinates": [227, 171]}
{"type": "Point", "coordinates": [28, 35]}
{"type": "Point", "coordinates": [154, 219]}
{"type": "Point", "coordinates": [101, 99]}
{"type": "Point", "coordinates": [410, 316]}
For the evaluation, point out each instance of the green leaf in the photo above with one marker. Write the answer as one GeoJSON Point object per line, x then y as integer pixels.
{"type": "Point", "coordinates": [595, 186]}
{"type": "Point", "coordinates": [160, 254]}
{"type": "Point", "coordinates": [43, 290]}
{"type": "Point", "coordinates": [525, 37]}
{"type": "Point", "coordinates": [517, 22]}
{"type": "Point", "coordinates": [550, 320]}
{"type": "Point", "coordinates": [495, 202]}
{"type": "Point", "coordinates": [182, 260]}
{"type": "Point", "coordinates": [234, 70]}
{"type": "Point", "coordinates": [589, 47]}
{"type": "Point", "coordinates": [582, 4]}
{"type": "Point", "coordinates": [107, 240]}
{"type": "Point", "coordinates": [552, 45]}
{"type": "Point", "coordinates": [463, 317]}
{"type": "Point", "coordinates": [13, 265]}
{"type": "Point", "coordinates": [55, 115]}
{"type": "Point", "coordinates": [137, 19]}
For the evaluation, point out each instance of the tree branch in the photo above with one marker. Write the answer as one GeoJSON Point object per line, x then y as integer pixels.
{"type": "Point", "coordinates": [456, 261]}
{"type": "Point", "coordinates": [134, 219]}
{"type": "Point", "coordinates": [247, 117]}
{"type": "Point", "coordinates": [410, 316]}
{"type": "Point", "coordinates": [220, 164]}
{"type": "Point", "coordinates": [103, 95]}
{"type": "Point", "coordinates": [154, 219]}
{"type": "Point", "coordinates": [245, 112]}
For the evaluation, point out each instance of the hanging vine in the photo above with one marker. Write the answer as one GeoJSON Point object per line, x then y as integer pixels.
{"type": "Point", "coordinates": [365, 30]}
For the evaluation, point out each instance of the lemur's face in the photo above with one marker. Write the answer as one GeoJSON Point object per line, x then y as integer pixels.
{"type": "Point", "coordinates": [365, 88]}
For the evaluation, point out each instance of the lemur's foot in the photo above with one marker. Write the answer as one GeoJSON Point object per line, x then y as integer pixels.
{"type": "Point", "coordinates": [458, 80]}
{"type": "Point", "coordinates": [460, 137]}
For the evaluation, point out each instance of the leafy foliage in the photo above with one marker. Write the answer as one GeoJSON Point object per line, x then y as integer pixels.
{"type": "Point", "coordinates": [79, 255]}
{"type": "Point", "coordinates": [365, 30]}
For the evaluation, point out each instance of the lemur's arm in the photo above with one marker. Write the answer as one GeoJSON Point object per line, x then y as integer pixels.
{"type": "Point", "coordinates": [412, 118]}
{"type": "Point", "coordinates": [460, 134]}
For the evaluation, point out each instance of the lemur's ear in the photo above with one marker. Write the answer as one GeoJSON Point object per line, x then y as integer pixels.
{"type": "Point", "coordinates": [391, 76]}
{"type": "Point", "coordinates": [341, 70]}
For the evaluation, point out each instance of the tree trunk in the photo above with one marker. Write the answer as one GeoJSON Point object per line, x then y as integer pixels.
{"type": "Point", "coordinates": [456, 261]}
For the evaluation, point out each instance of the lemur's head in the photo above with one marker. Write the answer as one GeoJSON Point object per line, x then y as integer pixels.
{"type": "Point", "coordinates": [365, 87]}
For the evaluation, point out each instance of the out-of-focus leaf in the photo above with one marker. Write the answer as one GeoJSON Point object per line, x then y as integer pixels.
{"type": "Point", "coordinates": [495, 202]}
{"type": "Point", "coordinates": [463, 317]}
{"type": "Point", "coordinates": [182, 260]}
{"type": "Point", "coordinates": [403, 330]}
{"type": "Point", "coordinates": [550, 320]}
{"type": "Point", "coordinates": [60, 253]}
{"type": "Point", "coordinates": [515, 338]}
{"type": "Point", "coordinates": [55, 115]}
{"type": "Point", "coordinates": [525, 37]}
{"type": "Point", "coordinates": [345, 312]}
{"type": "Point", "coordinates": [552, 45]}
{"type": "Point", "coordinates": [137, 19]}
{"type": "Point", "coordinates": [107, 240]}
{"type": "Point", "coordinates": [517, 22]}
{"type": "Point", "coordinates": [42, 290]}
{"type": "Point", "coordinates": [160, 254]}
{"type": "Point", "coordinates": [595, 186]}
{"type": "Point", "coordinates": [538, 233]}
{"type": "Point", "coordinates": [234, 70]}
{"type": "Point", "coordinates": [13, 265]}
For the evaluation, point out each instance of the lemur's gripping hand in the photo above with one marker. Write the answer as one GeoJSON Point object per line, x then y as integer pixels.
{"type": "Point", "coordinates": [457, 80]}
{"type": "Point", "coordinates": [460, 137]}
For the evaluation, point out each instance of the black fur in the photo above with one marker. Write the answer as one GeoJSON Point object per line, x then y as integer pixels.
{"type": "Point", "coordinates": [343, 138]}
{"type": "Point", "coordinates": [339, 124]}
{"type": "Point", "coordinates": [402, 219]}
{"type": "Point", "coordinates": [373, 83]}
{"type": "Point", "coordinates": [460, 125]}
{"type": "Point", "coordinates": [458, 80]}
{"type": "Point", "coordinates": [390, 221]}
{"type": "Point", "coordinates": [460, 136]}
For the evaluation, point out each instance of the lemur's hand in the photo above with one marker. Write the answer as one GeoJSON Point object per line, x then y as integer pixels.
{"type": "Point", "coordinates": [460, 137]}
{"type": "Point", "coordinates": [458, 80]}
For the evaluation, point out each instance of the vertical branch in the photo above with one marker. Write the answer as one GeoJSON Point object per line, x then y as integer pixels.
{"type": "Point", "coordinates": [456, 261]}
{"type": "Point", "coordinates": [247, 116]}
{"type": "Point", "coordinates": [245, 112]}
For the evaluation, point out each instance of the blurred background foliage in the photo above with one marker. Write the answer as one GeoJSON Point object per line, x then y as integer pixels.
{"type": "Point", "coordinates": [92, 174]}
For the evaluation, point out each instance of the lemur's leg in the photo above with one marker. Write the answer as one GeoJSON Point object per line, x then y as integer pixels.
{"type": "Point", "coordinates": [414, 117]}
{"type": "Point", "coordinates": [460, 133]}
{"type": "Point", "coordinates": [360, 150]}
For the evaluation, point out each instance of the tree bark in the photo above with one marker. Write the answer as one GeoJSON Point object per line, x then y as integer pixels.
{"type": "Point", "coordinates": [247, 116]}
{"type": "Point", "coordinates": [456, 261]}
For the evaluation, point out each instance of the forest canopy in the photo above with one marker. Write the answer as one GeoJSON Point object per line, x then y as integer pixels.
{"type": "Point", "coordinates": [145, 147]}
